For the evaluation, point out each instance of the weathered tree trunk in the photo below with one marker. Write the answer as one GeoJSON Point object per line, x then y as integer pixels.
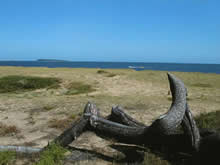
{"type": "Point", "coordinates": [191, 130]}
{"type": "Point", "coordinates": [119, 116]}
{"type": "Point", "coordinates": [77, 127]}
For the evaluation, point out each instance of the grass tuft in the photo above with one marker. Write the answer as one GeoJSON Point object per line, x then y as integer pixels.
{"type": "Point", "coordinates": [209, 120]}
{"type": "Point", "coordinates": [26, 83]}
{"type": "Point", "coordinates": [48, 107]}
{"type": "Point", "coordinates": [7, 130]}
{"type": "Point", "coordinates": [78, 88]}
{"type": "Point", "coordinates": [53, 155]}
{"type": "Point", "coordinates": [63, 124]}
{"type": "Point", "coordinates": [102, 71]}
{"type": "Point", "coordinates": [60, 124]}
{"type": "Point", "coordinates": [106, 73]}
{"type": "Point", "coordinates": [7, 157]}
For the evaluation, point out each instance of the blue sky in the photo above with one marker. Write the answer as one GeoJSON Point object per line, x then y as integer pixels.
{"type": "Point", "coordinates": [183, 31]}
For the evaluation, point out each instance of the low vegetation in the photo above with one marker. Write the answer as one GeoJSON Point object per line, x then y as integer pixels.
{"type": "Point", "coordinates": [16, 83]}
{"type": "Point", "coordinates": [78, 88]}
{"type": "Point", "coordinates": [62, 124]}
{"type": "Point", "coordinates": [106, 73]}
{"type": "Point", "coordinates": [48, 107]}
{"type": "Point", "coordinates": [53, 155]}
{"type": "Point", "coordinates": [152, 159]}
{"type": "Point", "coordinates": [209, 120]}
{"type": "Point", "coordinates": [102, 71]}
{"type": "Point", "coordinates": [7, 157]}
{"type": "Point", "coordinates": [8, 129]}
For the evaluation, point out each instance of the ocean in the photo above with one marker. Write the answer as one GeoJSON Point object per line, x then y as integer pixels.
{"type": "Point", "coordinates": [205, 68]}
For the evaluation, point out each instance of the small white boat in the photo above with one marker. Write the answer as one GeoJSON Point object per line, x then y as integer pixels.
{"type": "Point", "coordinates": [136, 67]}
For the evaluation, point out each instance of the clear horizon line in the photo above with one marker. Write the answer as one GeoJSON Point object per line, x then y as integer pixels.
{"type": "Point", "coordinates": [110, 61]}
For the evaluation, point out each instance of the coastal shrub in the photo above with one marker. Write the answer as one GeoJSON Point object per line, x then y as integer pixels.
{"type": "Point", "coordinates": [79, 88]}
{"type": "Point", "coordinates": [16, 83]}
{"type": "Point", "coordinates": [54, 154]}
{"type": "Point", "coordinates": [209, 120]}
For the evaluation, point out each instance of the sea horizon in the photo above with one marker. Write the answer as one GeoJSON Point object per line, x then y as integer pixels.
{"type": "Point", "coordinates": [63, 60]}
{"type": "Point", "coordinates": [138, 66]}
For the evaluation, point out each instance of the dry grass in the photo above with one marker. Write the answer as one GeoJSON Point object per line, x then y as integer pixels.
{"type": "Point", "coordinates": [106, 73]}
{"type": "Point", "coordinates": [152, 159]}
{"type": "Point", "coordinates": [62, 124]}
{"type": "Point", "coordinates": [48, 107]}
{"type": "Point", "coordinates": [75, 88]}
{"type": "Point", "coordinates": [6, 130]}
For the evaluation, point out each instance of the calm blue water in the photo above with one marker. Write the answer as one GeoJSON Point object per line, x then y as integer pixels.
{"type": "Point", "coordinates": [205, 68]}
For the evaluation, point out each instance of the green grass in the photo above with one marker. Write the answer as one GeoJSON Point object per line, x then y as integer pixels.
{"type": "Point", "coordinates": [78, 88]}
{"type": "Point", "coordinates": [209, 120]}
{"type": "Point", "coordinates": [26, 83]}
{"type": "Point", "coordinates": [53, 155]}
{"type": "Point", "coordinates": [7, 157]}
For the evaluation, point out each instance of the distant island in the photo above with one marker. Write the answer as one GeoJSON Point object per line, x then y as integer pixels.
{"type": "Point", "coordinates": [51, 60]}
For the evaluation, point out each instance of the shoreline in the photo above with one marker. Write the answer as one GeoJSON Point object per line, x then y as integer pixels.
{"type": "Point", "coordinates": [87, 68]}
{"type": "Point", "coordinates": [171, 67]}
{"type": "Point", "coordinates": [77, 68]}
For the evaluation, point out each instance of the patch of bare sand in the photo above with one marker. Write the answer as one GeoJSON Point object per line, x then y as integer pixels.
{"type": "Point", "coordinates": [32, 127]}
{"type": "Point", "coordinates": [29, 133]}
{"type": "Point", "coordinates": [120, 85]}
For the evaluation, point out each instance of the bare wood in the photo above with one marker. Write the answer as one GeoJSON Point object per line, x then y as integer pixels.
{"type": "Point", "coordinates": [168, 122]}
{"type": "Point", "coordinates": [77, 127]}
{"type": "Point", "coordinates": [118, 115]}
{"type": "Point", "coordinates": [190, 128]}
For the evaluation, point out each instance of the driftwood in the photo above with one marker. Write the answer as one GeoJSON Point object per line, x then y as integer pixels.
{"type": "Point", "coordinates": [202, 145]}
